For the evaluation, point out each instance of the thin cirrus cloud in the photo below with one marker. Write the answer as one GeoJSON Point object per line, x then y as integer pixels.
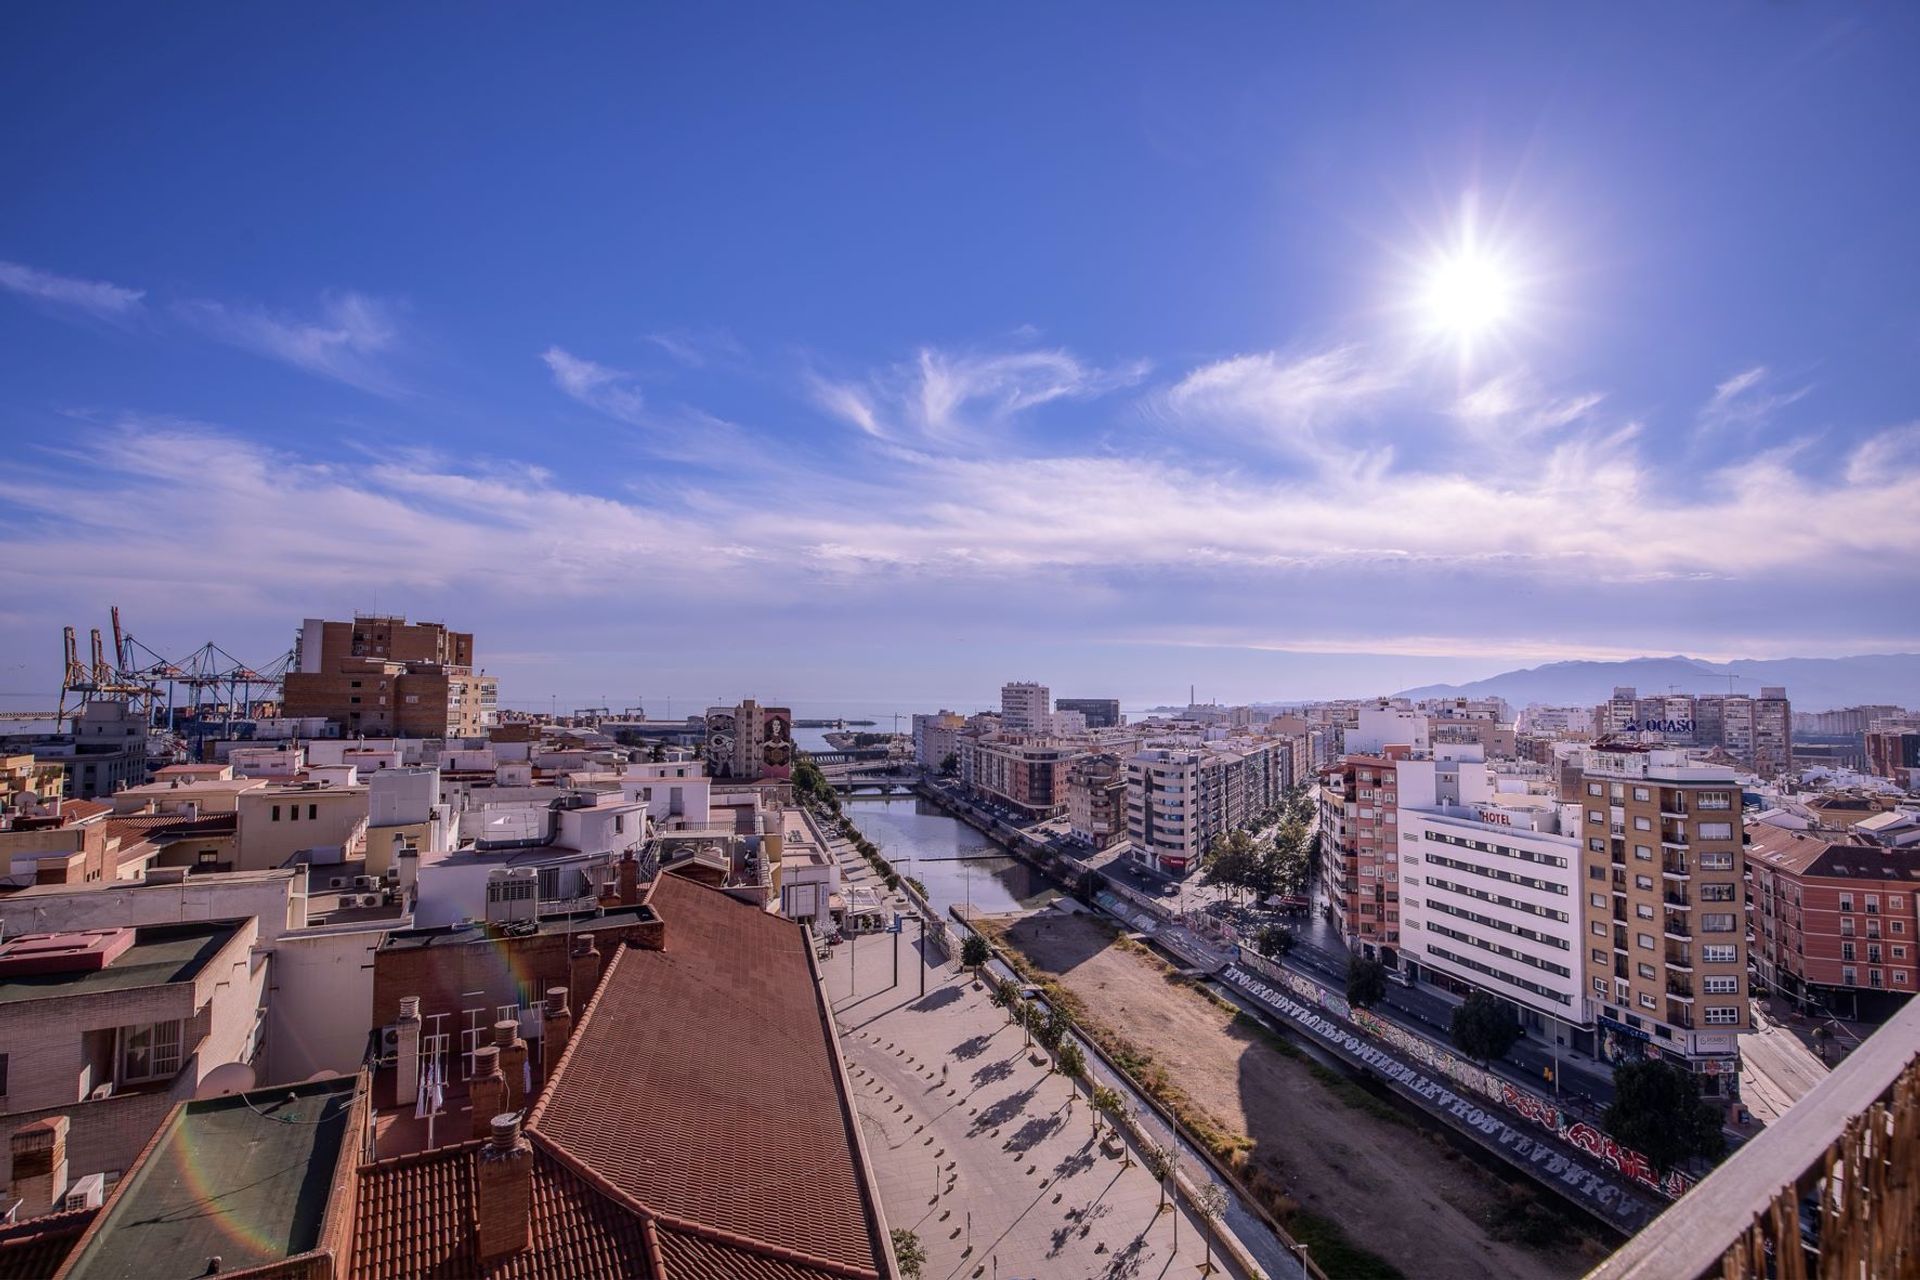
{"type": "Point", "coordinates": [349, 338]}
{"type": "Point", "coordinates": [96, 298]}
{"type": "Point", "coordinates": [613, 392]}
{"type": "Point", "coordinates": [946, 399]}
{"type": "Point", "coordinates": [1300, 406]}
{"type": "Point", "coordinates": [1746, 399]}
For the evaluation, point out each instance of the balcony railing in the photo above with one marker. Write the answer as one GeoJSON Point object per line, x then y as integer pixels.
{"type": "Point", "coordinates": [1677, 927]}
{"type": "Point", "coordinates": [1827, 1190]}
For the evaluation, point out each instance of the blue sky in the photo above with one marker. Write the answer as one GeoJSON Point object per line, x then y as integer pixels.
{"type": "Point", "coordinates": [887, 352]}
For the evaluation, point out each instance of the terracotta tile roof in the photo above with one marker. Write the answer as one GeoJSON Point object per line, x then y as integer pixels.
{"type": "Point", "coordinates": [694, 1130]}
{"type": "Point", "coordinates": [72, 811]}
{"type": "Point", "coordinates": [135, 827]}
{"type": "Point", "coordinates": [414, 1220]}
{"type": "Point", "coordinates": [690, 1123]}
{"type": "Point", "coordinates": [1809, 854]}
{"type": "Point", "coordinates": [34, 1249]}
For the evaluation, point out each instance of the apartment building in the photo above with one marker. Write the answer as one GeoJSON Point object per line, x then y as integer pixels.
{"type": "Point", "coordinates": [1097, 800]}
{"type": "Point", "coordinates": [1359, 852]}
{"type": "Point", "coordinates": [1893, 751]}
{"type": "Point", "coordinates": [1029, 777]}
{"type": "Point", "coordinates": [1835, 920]}
{"type": "Point", "coordinates": [1180, 799]}
{"type": "Point", "coordinates": [1665, 946]}
{"type": "Point", "coordinates": [1024, 707]}
{"type": "Point", "coordinates": [385, 676]}
{"type": "Point", "coordinates": [1558, 722]}
{"type": "Point", "coordinates": [934, 737]}
{"type": "Point", "coordinates": [749, 741]}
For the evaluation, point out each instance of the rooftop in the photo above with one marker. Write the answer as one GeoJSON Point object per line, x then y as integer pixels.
{"type": "Point", "coordinates": [662, 1156]}
{"type": "Point", "coordinates": [160, 954]}
{"type": "Point", "coordinates": [245, 1178]}
{"type": "Point", "coordinates": [1811, 853]}
{"type": "Point", "coordinates": [461, 935]}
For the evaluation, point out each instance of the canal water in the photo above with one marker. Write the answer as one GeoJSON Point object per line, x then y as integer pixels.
{"type": "Point", "coordinates": [957, 864]}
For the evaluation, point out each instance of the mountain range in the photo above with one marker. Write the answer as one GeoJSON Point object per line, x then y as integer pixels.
{"type": "Point", "coordinates": [1813, 684]}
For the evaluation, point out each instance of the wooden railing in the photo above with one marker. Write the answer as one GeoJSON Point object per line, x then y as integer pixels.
{"type": "Point", "coordinates": [1831, 1190]}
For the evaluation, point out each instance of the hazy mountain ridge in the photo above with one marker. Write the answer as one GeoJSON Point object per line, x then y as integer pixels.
{"type": "Point", "coordinates": [1814, 684]}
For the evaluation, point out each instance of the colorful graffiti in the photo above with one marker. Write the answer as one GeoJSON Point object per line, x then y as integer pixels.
{"type": "Point", "coordinates": [1530, 1106]}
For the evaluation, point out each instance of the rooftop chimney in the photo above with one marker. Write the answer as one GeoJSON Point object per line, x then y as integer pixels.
{"type": "Point", "coordinates": [487, 1092]}
{"type": "Point", "coordinates": [513, 1061]}
{"type": "Point", "coordinates": [558, 1024]}
{"type": "Point", "coordinates": [505, 1193]}
{"type": "Point", "coordinates": [629, 880]}
{"type": "Point", "coordinates": [39, 1153]}
{"type": "Point", "coordinates": [406, 1079]}
{"type": "Point", "coordinates": [583, 974]}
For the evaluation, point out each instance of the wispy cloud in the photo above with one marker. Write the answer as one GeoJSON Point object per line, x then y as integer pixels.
{"type": "Point", "coordinates": [1289, 403]}
{"type": "Point", "coordinates": [948, 399]}
{"type": "Point", "coordinates": [1885, 455]}
{"type": "Point", "coordinates": [700, 348]}
{"type": "Point", "coordinates": [95, 297]}
{"type": "Point", "coordinates": [604, 390]}
{"type": "Point", "coordinates": [348, 339]}
{"type": "Point", "coordinates": [1748, 398]}
{"type": "Point", "coordinates": [1514, 402]}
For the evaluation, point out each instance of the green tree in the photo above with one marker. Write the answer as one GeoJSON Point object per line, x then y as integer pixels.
{"type": "Point", "coordinates": [1232, 861]}
{"type": "Point", "coordinates": [1484, 1028]}
{"type": "Point", "coordinates": [1108, 1102]}
{"type": "Point", "coordinates": [1275, 940]}
{"type": "Point", "coordinates": [1658, 1111]}
{"type": "Point", "coordinates": [1072, 1061]}
{"type": "Point", "coordinates": [1212, 1206]}
{"type": "Point", "coordinates": [1366, 982]}
{"type": "Point", "coordinates": [658, 753]}
{"type": "Point", "coordinates": [907, 1251]}
{"type": "Point", "coordinates": [1052, 1031]}
{"type": "Point", "coordinates": [1160, 1162]}
{"type": "Point", "coordinates": [949, 765]}
{"type": "Point", "coordinates": [974, 952]}
{"type": "Point", "coordinates": [1290, 861]}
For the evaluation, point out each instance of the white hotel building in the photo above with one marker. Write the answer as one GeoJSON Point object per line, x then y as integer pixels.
{"type": "Point", "coordinates": [1490, 888]}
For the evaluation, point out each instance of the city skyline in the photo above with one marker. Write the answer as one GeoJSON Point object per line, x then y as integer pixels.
{"type": "Point", "coordinates": [1293, 355]}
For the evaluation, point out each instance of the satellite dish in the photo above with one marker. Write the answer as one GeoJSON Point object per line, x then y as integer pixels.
{"type": "Point", "coordinates": [228, 1077]}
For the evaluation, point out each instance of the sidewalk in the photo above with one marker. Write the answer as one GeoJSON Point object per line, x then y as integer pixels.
{"type": "Point", "coordinates": [982, 1152]}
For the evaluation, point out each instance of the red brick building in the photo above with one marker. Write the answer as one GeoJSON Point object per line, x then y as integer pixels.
{"type": "Point", "coordinates": [1359, 852]}
{"type": "Point", "coordinates": [1834, 922]}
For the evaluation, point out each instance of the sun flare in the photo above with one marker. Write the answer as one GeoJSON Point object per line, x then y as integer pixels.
{"type": "Point", "coordinates": [1468, 294]}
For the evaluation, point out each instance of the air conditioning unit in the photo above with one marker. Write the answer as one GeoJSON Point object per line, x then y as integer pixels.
{"type": "Point", "coordinates": [366, 882]}
{"type": "Point", "coordinates": [101, 1091]}
{"type": "Point", "coordinates": [336, 882]}
{"type": "Point", "coordinates": [393, 875]}
{"type": "Point", "coordinates": [390, 1041]}
{"type": "Point", "coordinates": [87, 1193]}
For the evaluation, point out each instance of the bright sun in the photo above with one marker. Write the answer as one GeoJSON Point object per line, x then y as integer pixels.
{"type": "Point", "coordinates": [1468, 294]}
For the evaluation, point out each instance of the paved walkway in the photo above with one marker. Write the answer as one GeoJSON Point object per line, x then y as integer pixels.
{"type": "Point", "coordinates": [986, 1156]}
{"type": "Point", "coordinates": [1776, 1068]}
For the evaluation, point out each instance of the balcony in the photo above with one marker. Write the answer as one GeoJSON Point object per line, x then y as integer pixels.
{"type": "Point", "coordinates": [1678, 927]}
{"type": "Point", "coordinates": [1679, 991]}
{"type": "Point", "coordinates": [1679, 958]}
{"type": "Point", "coordinates": [1777, 1208]}
{"type": "Point", "coordinates": [1676, 901]}
{"type": "Point", "coordinates": [1674, 868]}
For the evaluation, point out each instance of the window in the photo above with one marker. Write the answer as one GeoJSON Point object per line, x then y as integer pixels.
{"type": "Point", "coordinates": [1846, 951]}
{"type": "Point", "coordinates": [1846, 902]}
{"type": "Point", "coordinates": [1597, 899]}
{"type": "Point", "coordinates": [1642, 910]}
{"type": "Point", "coordinates": [1725, 985]}
{"type": "Point", "coordinates": [276, 813]}
{"type": "Point", "coordinates": [1715, 800]}
{"type": "Point", "coordinates": [1641, 793]}
{"type": "Point", "coordinates": [1720, 860]}
{"type": "Point", "coordinates": [1599, 956]}
{"type": "Point", "coordinates": [1715, 830]}
{"type": "Point", "coordinates": [1617, 790]}
{"type": "Point", "coordinates": [1643, 882]}
{"type": "Point", "coordinates": [1593, 789]}
{"type": "Point", "coordinates": [149, 1052]}
{"type": "Point", "coordinates": [1599, 930]}
{"type": "Point", "coordinates": [1874, 979]}
{"type": "Point", "coordinates": [1642, 823]}
{"type": "Point", "coordinates": [1895, 902]}
{"type": "Point", "coordinates": [1646, 1001]}
{"type": "Point", "coordinates": [1716, 922]}
{"type": "Point", "coordinates": [1645, 969]}
{"type": "Point", "coordinates": [1646, 941]}
{"type": "Point", "coordinates": [1849, 976]}
{"type": "Point", "coordinates": [1596, 844]}
{"type": "Point", "coordinates": [1600, 985]}
{"type": "Point", "coordinates": [1716, 893]}
{"type": "Point", "coordinates": [1722, 1015]}
{"type": "Point", "coordinates": [313, 811]}
{"type": "Point", "coordinates": [1594, 815]}
{"type": "Point", "coordinates": [1643, 853]}
{"type": "Point", "coordinates": [1717, 953]}
{"type": "Point", "coordinates": [1899, 953]}
{"type": "Point", "coordinates": [1899, 977]}
{"type": "Point", "coordinates": [1873, 904]}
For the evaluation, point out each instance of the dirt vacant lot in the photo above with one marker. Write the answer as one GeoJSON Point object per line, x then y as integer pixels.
{"type": "Point", "coordinates": [1392, 1189]}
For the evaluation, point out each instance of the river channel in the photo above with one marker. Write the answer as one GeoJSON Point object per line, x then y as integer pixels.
{"type": "Point", "coordinates": [957, 864]}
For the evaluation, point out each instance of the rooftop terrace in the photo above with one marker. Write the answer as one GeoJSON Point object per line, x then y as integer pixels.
{"type": "Point", "coordinates": [160, 954]}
